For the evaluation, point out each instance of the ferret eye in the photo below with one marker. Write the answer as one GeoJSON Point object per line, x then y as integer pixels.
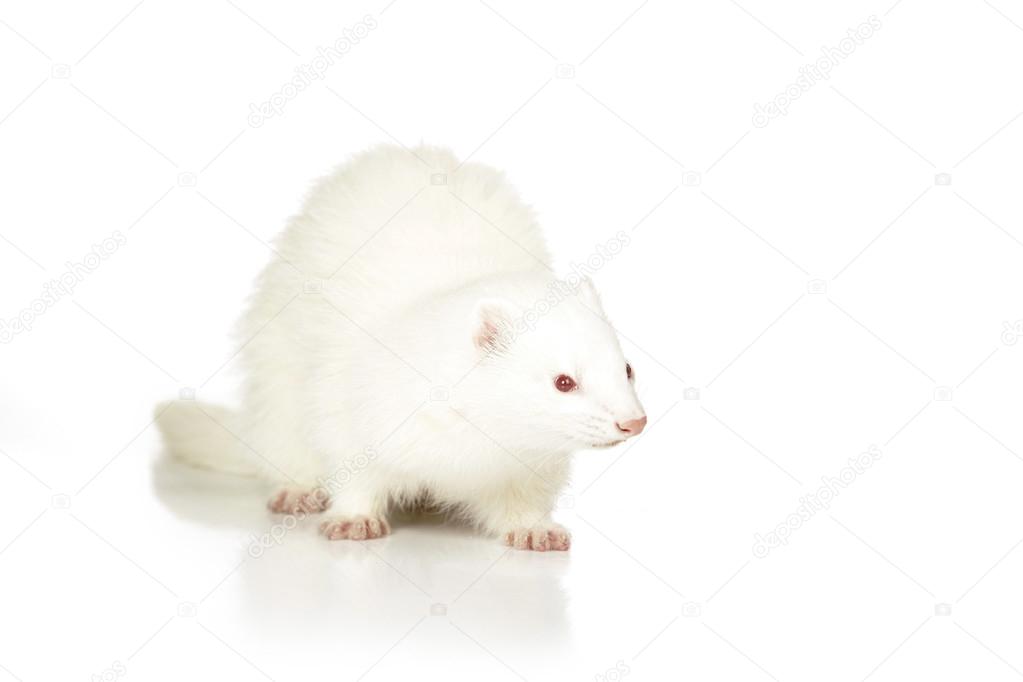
{"type": "Point", "coordinates": [564, 383]}
{"type": "Point", "coordinates": [628, 370]}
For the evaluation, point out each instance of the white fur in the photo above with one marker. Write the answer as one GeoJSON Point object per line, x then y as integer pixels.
{"type": "Point", "coordinates": [409, 375]}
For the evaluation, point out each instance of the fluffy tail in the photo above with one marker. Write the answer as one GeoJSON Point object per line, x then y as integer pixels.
{"type": "Point", "coordinates": [204, 435]}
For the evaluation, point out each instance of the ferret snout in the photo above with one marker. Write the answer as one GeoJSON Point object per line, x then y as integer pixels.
{"type": "Point", "coordinates": [632, 427]}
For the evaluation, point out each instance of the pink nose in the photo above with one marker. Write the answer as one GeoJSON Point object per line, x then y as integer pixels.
{"type": "Point", "coordinates": [632, 427]}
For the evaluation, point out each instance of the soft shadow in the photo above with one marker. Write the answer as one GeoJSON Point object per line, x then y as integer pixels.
{"type": "Point", "coordinates": [431, 565]}
{"type": "Point", "coordinates": [209, 498]}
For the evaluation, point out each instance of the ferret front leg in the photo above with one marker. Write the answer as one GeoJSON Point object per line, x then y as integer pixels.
{"type": "Point", "coordinates": [540, 537]}
{"type": "Point", "coordinates": [357, 513]}
{"type": "Point", "coordinates": [299, 500]}
{"type": "Point", "coordinates": [522, 519]}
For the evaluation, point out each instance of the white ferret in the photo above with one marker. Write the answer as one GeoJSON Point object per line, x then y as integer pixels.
{"type": "Point", "coordinates": [410, 344]}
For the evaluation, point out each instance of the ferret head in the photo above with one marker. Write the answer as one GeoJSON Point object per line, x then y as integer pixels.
{"type": "Point", "coordinates": [557, 369]}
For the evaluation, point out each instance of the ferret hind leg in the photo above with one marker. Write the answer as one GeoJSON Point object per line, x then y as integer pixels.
{"type": "Point", "coordinates": [358, 512]}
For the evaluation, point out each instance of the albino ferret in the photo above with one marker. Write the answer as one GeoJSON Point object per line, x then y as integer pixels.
{"type": "Point", "coordinates": [410, 343]}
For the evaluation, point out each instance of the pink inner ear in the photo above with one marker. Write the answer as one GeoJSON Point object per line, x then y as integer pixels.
{"type": "Point", "coordinates": [493, 320]}
{"type": "Point", "coordinates": [486, 335]}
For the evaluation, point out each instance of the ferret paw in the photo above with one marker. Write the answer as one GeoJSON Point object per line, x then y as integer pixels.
{"type": "Point", "coordinates": [547, 538]}
{"type": "Point", "coordinates": [299, 500]}
{"type": "Point", "coordinates": [355, 528]}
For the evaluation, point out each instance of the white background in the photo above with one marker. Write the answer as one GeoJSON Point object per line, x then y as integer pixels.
{"type": "Point", "coordinates": [114, 562]}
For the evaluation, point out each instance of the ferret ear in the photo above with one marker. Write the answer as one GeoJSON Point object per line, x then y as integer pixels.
{"type": "Point", "coordinates": [492, 324]}
{"type": "Point", "coordinates": [589, 295]}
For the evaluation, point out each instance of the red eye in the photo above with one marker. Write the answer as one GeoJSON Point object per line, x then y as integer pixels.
{"type": "Point", "coordinates": [564, 383]}
{"type": "Point", "coordinates": [628, 370]}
